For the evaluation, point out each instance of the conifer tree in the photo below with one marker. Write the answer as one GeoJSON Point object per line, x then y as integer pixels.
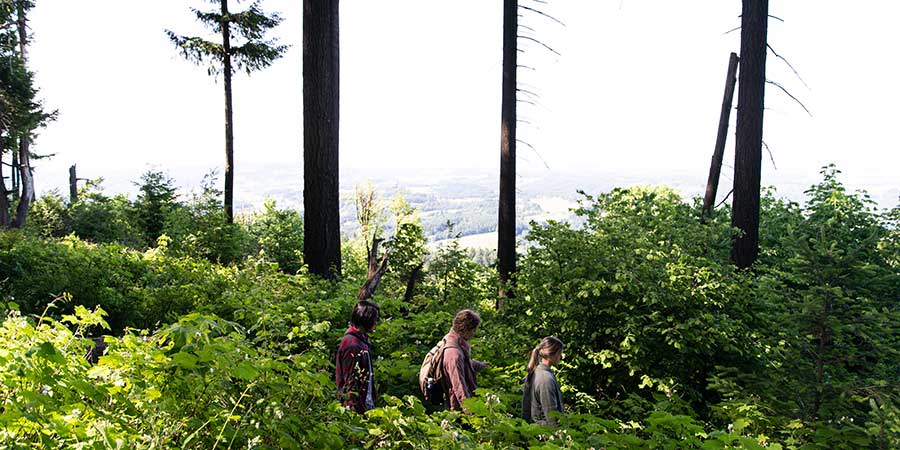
{"type": "Point", "coordinates": [20, 113]}
{"type": "Point", "coordinates": [241, 45]}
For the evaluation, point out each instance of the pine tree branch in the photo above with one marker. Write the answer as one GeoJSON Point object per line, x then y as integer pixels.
{"type": "Point", "coordinates": [540, 43]}
{"type": "Point", "coordinates": [772, 158]}
{"type": "Point", "coordinates": [535, 152]}
{"type": "Point", "coordinates": [543, 14]}
{"type": "Point", "coordinates": [788, 64]}
{"type": "Point", "coordinates": [527, 92]}
{"type": "Point", "coordinates": [789, 95]}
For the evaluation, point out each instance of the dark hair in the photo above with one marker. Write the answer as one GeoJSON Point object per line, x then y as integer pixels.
{"type": "Point", "coordinates": [365, 315]}
{"type": "Point", "coordinates": [466, 320]}
{"type": "Point", "coordinates": [549, 346]}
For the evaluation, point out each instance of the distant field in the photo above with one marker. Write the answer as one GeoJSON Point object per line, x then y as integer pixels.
{"type": "Point", "coordinates": [483, 240]}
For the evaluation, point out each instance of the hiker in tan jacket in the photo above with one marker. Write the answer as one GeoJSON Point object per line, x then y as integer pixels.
{"type": "Point", "coordinates": [458, 367]}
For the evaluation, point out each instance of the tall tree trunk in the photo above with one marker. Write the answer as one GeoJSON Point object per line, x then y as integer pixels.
{"type": "Point", "coordinates": [73, 185]}
{"type": "Point", "coordinates": [25, 174]}
{"type": "Point", "coordinates": [14, 173]}
{"type": "Point", "coordinates": [321, 83]}
{"type": "Point", "coordinates": [715, 167]}
{"type": "Point", "coordinates": [748, 148]}
{"type": "Point", "coordinates": [26, 179]}
{"type": "Point", "coordinates": [506, 221]}
{"type": "Point", "coordinates": [4, 197]}
{"type": "Point", "coordinates": [229, 116]}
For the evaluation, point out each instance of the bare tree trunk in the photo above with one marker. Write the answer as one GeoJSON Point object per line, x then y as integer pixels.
{"type": "Point", "coordinates": [321, 100]}
{"type": "Point", "coordinates": [14, 174]}
{"type": "Point", "coordinates": [715, 167]}
{"type": "Point", "coordinates": [376, 271]}
{"type": "Point", "coordinates": [229, 116]}
{"type": "Point", "coordinates": [748, 148]}
{"type": "Point", "coordinates": [506, 221]}
{"type": "Point", "coordinates": [73, 185]}
{"type": "Point", "coordinates": [4, 196]}
{"type": "Point", "coordinates": [27, 195]}
{"type": "Point", "coordinates": [411, 282]}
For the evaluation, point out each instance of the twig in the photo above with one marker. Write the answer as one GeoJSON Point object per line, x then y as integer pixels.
{"type": "Point", "coordinates": [788, 64]}
{"type": "Point", "coordinates": [789, 95]}
{"type": "Point", "coordinates": [526, 27]}
{"type": "Point", "coordinates": [525, 67]}
{"type": "Point", "coordinates": [543, 14]}
{"type": "Point", "coordinates": [526, 102]}
{"type": "Point", "coordinates": [726, 198]}
{"type": "Point", "coordinates": [539, 42]}
{"type": "Point", "coordinates": [527, 92]}
{"type": "Point", "coordinates": [731, 30]}
{"type": "Point", "coordinates": [535, 152]}
{"type": "Point", "coordinates": [770, 154]}
{"type": "Point", "coordinates": [777, 18]}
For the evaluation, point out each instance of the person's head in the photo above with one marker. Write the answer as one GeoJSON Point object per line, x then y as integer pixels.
{"type": "Point", "coordinates": [465, 323]}
{"type": "Point", "coordinates": [365, 316]}
{"type": "Point", "coordinates": [549, 350]}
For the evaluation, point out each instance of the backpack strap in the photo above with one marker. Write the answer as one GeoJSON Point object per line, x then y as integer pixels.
{"type": "Point", "coordinates": [437, 364]}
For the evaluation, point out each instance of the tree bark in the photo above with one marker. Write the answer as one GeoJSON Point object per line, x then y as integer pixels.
{"type": "Point", "coordinates": [229, 116]}
{"type": "Point", "coordinates": [715, 167]}
{"type": "Point", "coordinates": [26, 179]}
{"type": "Point", "coordinates": [4, 196]}
{"type": "Point", "coordinates": [376, 271]}
{"type": "Point", "coordinates": [411, 282]}
{"type": "Point", "coordinates": [73, 185]}
{"type": "Point", "coordinates": [27, 195]}
{"type": "Point", "coordinates": [506, 221]}
{"type": "Point", "coordinates": [14, 174]}
{"type": "Point", "coordinates": [748, 148]}
{"type": "Point", "coordinates": [321, 83]}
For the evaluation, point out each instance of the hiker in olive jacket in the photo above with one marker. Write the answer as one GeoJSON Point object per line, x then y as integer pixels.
{"type": "Point", "coordinates": [458, 367]}
{"type": "Point", "coordinates": [541, 394]}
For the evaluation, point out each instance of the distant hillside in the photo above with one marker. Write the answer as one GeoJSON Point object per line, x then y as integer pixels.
{"type": "Point", "coordinates": [468, 199]}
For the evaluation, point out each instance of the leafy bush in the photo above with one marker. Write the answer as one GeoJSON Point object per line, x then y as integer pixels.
{"type": "Point", "coordinates": [278, 236]}
{"type": "Point", "coordinates": [667, 345]}
{"type": "Point", "coordinates": [201, 229]}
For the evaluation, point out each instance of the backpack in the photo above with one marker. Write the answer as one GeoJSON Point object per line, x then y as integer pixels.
{"type": "Point", "coordinates": [430, 375]}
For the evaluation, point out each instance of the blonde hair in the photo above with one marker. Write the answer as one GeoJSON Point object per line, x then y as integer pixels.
{"type": "Point", "coordinates": [549, 346]}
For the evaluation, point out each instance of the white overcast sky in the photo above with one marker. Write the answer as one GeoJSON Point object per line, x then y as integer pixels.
{"type": "Point", "coordinates": [637, 88]}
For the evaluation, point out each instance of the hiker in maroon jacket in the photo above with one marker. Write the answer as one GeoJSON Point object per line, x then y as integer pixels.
{"type": "Point", "coordinates": [353, 363]}
{"type": "Point", "coordinates": [458, 366]}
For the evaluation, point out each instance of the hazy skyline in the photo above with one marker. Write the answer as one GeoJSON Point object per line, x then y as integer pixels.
{"type": "Point", "coordinates": [637, 89]}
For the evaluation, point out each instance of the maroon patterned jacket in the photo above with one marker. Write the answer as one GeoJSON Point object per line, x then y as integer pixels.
{"type": "Point", "coordinates": [352, 365]}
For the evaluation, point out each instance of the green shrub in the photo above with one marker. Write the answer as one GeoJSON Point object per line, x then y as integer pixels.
{"type": "Point", "coordinates": [277, 235]}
